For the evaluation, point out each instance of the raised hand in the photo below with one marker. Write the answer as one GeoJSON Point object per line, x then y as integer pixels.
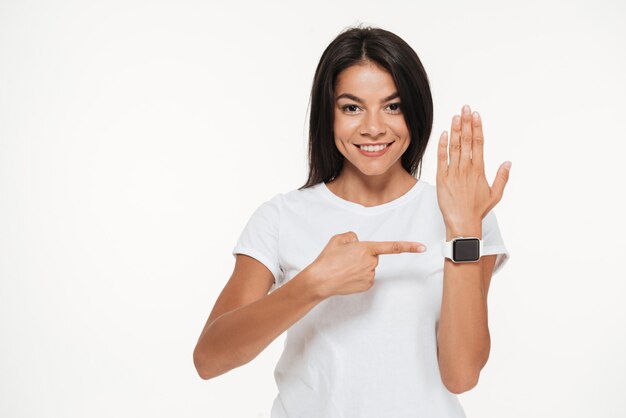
{"type": "Point", "coordinates": [347, 265]}
{"type": "Point", "coordinates": [463, 194]}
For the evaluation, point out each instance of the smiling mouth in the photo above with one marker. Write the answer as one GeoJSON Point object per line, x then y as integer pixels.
{"type": "Point", "coordinates": [376, 153]}
{"type": "Point", "coordinates": [387, 145]}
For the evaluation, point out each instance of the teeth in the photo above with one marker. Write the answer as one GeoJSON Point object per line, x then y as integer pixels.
{"type": "Point", "coordinates": [373, 148]}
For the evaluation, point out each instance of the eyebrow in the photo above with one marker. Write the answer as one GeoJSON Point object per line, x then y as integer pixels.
{"type": "Point", "coordinates": [357, 99]}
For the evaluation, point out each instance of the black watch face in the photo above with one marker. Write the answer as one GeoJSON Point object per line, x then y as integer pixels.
{"type": "Point", "coordinates": [466, 249]}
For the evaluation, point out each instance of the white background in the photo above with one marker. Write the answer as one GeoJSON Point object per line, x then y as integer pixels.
{"type": "Point", "coordinates": [137, 138]}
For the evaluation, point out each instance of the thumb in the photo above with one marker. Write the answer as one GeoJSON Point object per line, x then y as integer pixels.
{"type": "Point", "coordinates": [502, 177]}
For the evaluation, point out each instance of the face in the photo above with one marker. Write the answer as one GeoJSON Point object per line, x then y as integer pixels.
{"type": "Point", "coordinates": [368, 111]}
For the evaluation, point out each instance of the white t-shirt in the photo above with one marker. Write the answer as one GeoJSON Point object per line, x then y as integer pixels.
{"type": "Point", "coordinates": [371, 354]}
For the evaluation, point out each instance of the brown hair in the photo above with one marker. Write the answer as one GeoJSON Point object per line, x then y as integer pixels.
{"type": "Point", "coordinates": [355, 46]}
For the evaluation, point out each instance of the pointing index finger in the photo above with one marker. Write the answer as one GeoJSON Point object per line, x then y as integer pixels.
{"type": "Point", "coordinates": [394, 247]}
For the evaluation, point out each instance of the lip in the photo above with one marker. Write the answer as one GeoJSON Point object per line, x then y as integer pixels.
{"type": "Point", "coordinates": [375, 153]}
{"type": "Point", "coordinates": [377, 143]}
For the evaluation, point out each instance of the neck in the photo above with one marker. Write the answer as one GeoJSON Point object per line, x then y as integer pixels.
{"type": "Point", "coordinates": [371, 190]}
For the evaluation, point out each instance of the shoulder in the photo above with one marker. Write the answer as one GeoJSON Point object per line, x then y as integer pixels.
{"type": "Point", "coordinates": [428, 192]}
{"type": "Point", "coordinates": [300, 197]}
{"type": "Point", "coordinates": [294, 198]}
{"type": "Point", "coordinates": [428, 187]}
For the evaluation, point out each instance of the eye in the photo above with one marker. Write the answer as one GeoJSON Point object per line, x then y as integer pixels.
{"type": "Point", "coordinates": [350, 108]}
{"type": "Point", "coordinates": [394, 107]}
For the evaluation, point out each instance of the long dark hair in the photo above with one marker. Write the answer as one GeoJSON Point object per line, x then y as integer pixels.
{"type": "Point", "coordinates": [354, 46]}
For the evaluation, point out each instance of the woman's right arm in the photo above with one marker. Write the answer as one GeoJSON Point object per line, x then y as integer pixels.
{"type": "Point", "coordinates": [245, 319]}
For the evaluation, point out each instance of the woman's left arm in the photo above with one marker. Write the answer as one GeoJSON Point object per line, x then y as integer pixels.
{"type": "Point", "coordinates": [463, 340]}
{"type": "Point", "coordinates": [464, 197]}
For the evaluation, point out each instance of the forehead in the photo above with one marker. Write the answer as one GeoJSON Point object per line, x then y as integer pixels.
{"type": "Point", "coordinates": [365, 80]}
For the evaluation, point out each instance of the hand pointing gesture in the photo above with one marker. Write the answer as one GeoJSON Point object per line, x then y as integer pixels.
{"type": "Point", "coordinates": [347, 265]}
{"type": "Point", "coordinates": [463, 194]}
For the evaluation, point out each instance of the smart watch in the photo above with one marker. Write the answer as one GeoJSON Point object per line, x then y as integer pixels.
{"type": "Point", "coordinates": [463, 249]}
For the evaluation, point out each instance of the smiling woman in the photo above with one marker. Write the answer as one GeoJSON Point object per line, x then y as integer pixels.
{"type": "Point", "coordinates": [367, 337]}
{"type": "Point", "coordinates": [364, 80]}
{"type": "Point", "coordinates": [373, 128]}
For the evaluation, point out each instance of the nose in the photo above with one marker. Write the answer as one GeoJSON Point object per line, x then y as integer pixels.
{"type": "Point", "coordinates": [373, 125]}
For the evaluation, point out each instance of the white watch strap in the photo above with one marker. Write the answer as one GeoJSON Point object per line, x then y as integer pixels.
{"type": "Point", "coordinates": [446, 247]}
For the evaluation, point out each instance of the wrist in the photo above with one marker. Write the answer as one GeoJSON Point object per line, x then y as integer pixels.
{"type": "Point", "coordinates": [313, 284]}
{"type": "Point", "coordinates": [473, 229]}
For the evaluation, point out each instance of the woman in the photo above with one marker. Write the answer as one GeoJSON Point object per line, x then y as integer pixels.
{"type": "Point", "coordinates": [397, 336]}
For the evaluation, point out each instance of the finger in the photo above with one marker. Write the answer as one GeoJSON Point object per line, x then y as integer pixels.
{"type": "Point", "coordinates": [477, 142]}
{"type": "Point", "coordinates": [466, 139]}
{"type": "Point", "coordinates": [442, 154]}
{"type": "Point", "coordinates": [455, 143]}
{"type": "Point", "coordinates": [394, 247]}
{"type": "Point", "coordinates": [502, 177]}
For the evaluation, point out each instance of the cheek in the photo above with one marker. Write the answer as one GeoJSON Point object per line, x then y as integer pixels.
{"type": "Point", "coordinates": [400, 128]}
{"type": "Point", "coordinates": [342, 147]}
{"type": "Point", "coordinates": [345, 127]}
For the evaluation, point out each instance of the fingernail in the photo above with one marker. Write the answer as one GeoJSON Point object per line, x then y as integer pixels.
{"type": "Point", "coordinates": [421, 249]}
{"type": "Point", "coordinates": [476, 116]}
{"type": "Point", "coordinates": [466, 109]}
{"type": "Point", "coordinates": [508, 165]}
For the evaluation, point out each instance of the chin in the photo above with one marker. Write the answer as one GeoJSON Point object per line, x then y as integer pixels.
{"type": "Point", "coordinates": [373, 171]}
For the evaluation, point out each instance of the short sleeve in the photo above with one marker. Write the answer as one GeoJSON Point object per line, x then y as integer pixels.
{"type": "Point", "coordinates": [259, 238]}
{"type": "Point", "coordinates": [492, 241]}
